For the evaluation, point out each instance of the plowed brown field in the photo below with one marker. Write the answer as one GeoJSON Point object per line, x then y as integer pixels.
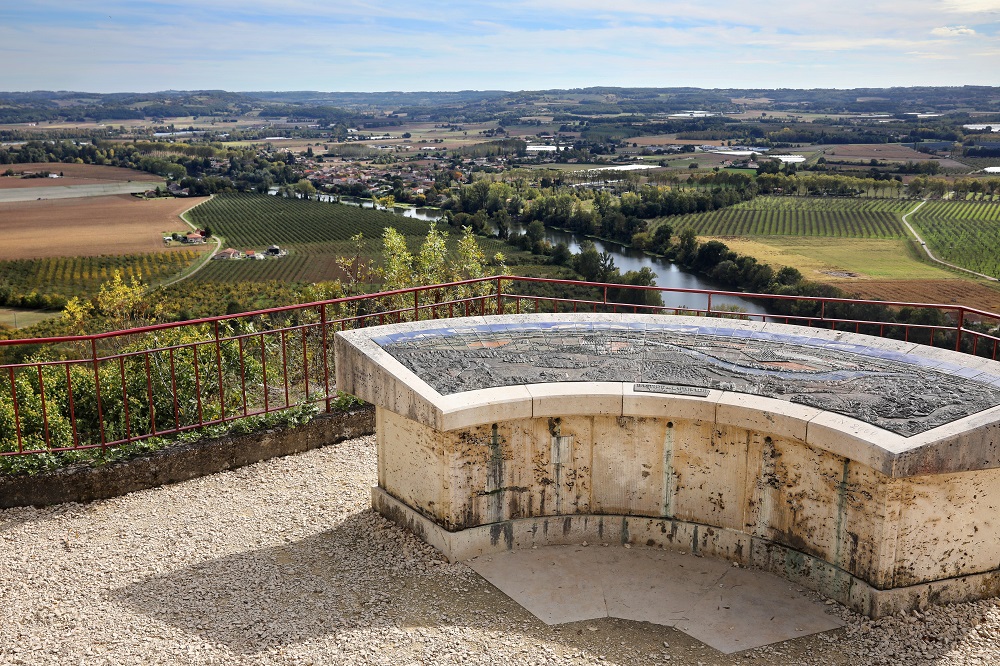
{"type": "Point", "coordinates": [949, 292]}
{"type": "Point", "coordinates": [877, 151]}
{"type": "Point", "coordinates": [88, 227]}
{"type": "Point", "coordinates": [73, 174]}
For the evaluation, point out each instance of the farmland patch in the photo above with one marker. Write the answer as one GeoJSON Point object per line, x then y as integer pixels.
{"type": "Point", "coordinates": [800, 216]}
{"type": "Point", "coordinates": [844, 262]}
{"type": "Point", "coordinates": [964, 233]}
{"type": "Point", "coordinates": [88, 227]}
{"type": "Point", "coordinates": [90, 172]}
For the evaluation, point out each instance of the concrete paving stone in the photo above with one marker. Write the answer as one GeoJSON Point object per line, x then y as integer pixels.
{"type": "Point", "coordinates": [555, 584]}
{"type": "Point", "coordinates": [748, 609]}
{"type": "Point", "coordinates": [651, 585]}
{"type": "Point", "coordinates": [725, 607]}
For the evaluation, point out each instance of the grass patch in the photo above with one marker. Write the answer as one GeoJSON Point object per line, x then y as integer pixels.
{"type": "Point", "coordinates": [826, 260]}
{"type": "Point", "coordinates": [20, 317]}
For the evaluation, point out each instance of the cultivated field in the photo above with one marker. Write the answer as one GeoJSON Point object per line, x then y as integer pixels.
{"type": "Point", "coordinates": [877, 151]}
{"type": "Point", "coordinates": [314, 233]}
{"type": "Point", "coordinates": [888, 270]}
{"type": "Point", "coordinates": [964, 233]}
{"type": "Point", "coordinates": [17, 183]}
{"type": "Point", "coordinates": [257, 220]}
{"type": "Point", "coordinates": [800, 216]}
{"type": "Point", "coordinates": [73, 174]}
{"type": "Point", "coordinates": [63, 277]}
{"type": "Point", "coordinates": [89, 226]}
{"type": "Point", "coordinates": [981, 295]}
{"type": "Point", "coordinates": [852, 244]}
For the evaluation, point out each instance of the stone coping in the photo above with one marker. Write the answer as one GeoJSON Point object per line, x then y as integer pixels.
{"type": "Point", "coordinates": [366, 369]}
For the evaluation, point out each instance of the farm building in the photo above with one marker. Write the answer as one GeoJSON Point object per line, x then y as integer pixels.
{"type": "Point", "coordinates": [193, 238]}
{"type": "Point", "coordinates": [228, 253]}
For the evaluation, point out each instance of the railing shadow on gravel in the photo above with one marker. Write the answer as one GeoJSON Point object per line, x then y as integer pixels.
{"type": "Point", "coordinates": [78, 396]}
{"type": "Point", "coordinates": [364, 573]}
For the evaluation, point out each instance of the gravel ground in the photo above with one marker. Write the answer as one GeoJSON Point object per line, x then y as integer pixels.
{"type": "Point", "coordinates": [283, 563]}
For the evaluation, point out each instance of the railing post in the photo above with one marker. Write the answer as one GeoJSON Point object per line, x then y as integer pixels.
{"type": "Point", "coordinates": [499, 297]}
{"type": "Point", "coordinates": [416, 306]}
{"type": "Point", "coordinates": [128, 425]}
{"type": "Point", "coordinates": [218, 364]}
{"type": "Point", "coordinates": [326, 356]}
{"type": "Point", "coordinates": [961, 324]}
{"type": "Point", "coordinates": [72, 408]}
{"type": "Point", "coordinates": [173, 391]}
{"type": "Point", "coordinates": [97, 391]}
{"type": "Point", "coordinates": [708, 313]}
{"type": "Point", "coordinates": [263, 372]}
{"type": "Point", "coordinates": [17, 415]}
{"type": "Point", "coordinates": [45, 412]}
{"type": "Point", "coordinates": [197, 384]}
{"type": "Point", "coordinates": [149, 396]}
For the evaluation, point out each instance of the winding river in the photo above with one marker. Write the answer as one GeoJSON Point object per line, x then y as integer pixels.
{"type": "Point", "coordinates": [626, 259]}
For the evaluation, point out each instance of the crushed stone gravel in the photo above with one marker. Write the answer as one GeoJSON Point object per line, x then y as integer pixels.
{"type": "Point", "coordinates": [283, 562]}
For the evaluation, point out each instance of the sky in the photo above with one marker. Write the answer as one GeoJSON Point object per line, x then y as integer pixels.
{"type": "Point", "coordinates": [369, 45]}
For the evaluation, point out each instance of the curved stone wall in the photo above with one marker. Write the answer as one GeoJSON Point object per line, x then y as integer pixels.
{"type": "Point", "coordinates": [880, 509]}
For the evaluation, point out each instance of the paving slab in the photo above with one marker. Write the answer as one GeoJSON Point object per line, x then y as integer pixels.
{"type": "Point", "coordinates": [726, 607]}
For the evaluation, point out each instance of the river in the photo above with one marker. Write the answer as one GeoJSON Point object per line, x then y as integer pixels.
{"type": "Point", "coordinates": [667, 274]}
{"type": "Point", "coordinates": [626, 259]}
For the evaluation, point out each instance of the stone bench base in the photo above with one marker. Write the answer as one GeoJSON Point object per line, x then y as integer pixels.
{"type": "Point", "coordinates": [686, 537]}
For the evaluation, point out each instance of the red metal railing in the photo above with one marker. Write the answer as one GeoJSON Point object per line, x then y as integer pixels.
{"type": "Point", "coordinates": [105, 390]}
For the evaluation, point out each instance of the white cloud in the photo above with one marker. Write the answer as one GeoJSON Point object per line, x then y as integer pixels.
{"type": "Point", "coordinates": [952, 31]}
{"type": "Point", "coordinates": [972, 6]}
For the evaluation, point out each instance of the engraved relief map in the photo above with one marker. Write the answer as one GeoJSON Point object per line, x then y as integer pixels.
{"type": "Point", "coordinates": [902, 393]}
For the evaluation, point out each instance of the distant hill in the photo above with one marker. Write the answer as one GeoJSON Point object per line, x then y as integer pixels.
{"type": "Point", "coordinates": [44, 106]}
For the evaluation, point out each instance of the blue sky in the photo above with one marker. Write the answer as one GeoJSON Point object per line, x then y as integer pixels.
{"type": "Point", "coordinates": [364, 45]}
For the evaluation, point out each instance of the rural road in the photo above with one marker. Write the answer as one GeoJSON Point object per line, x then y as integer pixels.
{"type": "Point", "coordinates": [74, 191]}
{"type": "Point", "coordinates": [208, 257]}
{"type": "Point", "coordinates": [930, 254]}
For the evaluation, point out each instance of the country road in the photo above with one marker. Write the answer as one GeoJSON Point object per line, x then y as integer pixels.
{"type": "Point", "coordinates": [207, 258]}
{"type": "Point", "coordinates": [930, 255]}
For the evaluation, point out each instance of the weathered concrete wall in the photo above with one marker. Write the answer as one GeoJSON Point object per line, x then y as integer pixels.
{"type": "Point", "coordinates": [181, 462]}
{"type": "Point", "coordinates": [770, 486]}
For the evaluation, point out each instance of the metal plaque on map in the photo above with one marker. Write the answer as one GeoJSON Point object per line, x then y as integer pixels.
{"type": "Point", "coordinates": [670, 388]}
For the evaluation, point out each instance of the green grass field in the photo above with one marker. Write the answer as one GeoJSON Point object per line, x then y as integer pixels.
{"type": "Point", "coordinates": [21, 318]}
{"type": "Point", "coordinates": [800, 216]}
{"type": "Point", "coordinates": [815, 257]}
{"type": "Point", "coordinates": [962, 232]}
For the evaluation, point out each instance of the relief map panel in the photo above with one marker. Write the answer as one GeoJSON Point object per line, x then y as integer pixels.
{"type": "Point", "coordinates": [903, 393]}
